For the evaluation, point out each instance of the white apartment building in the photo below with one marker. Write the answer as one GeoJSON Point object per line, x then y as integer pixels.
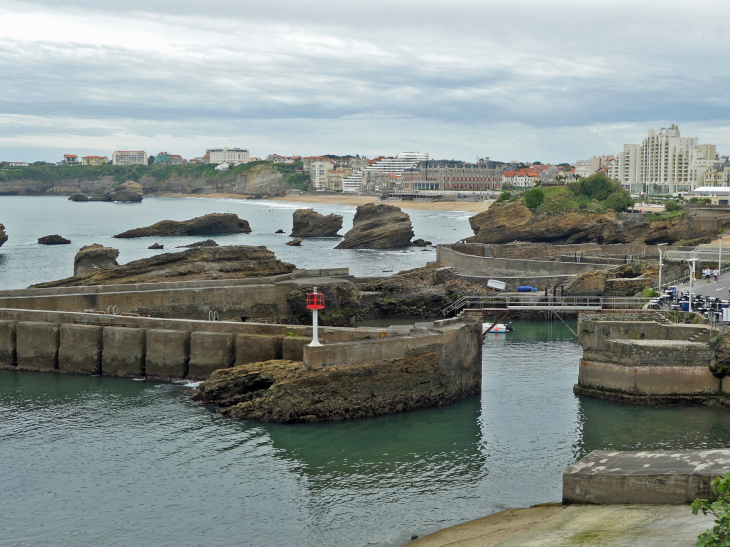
{"type": "Point", "coordinates": [129, 157]}
{"type": "Point", "coordinates": [585, 168]}
{"type": "Point", "coordinates": [234, 156]}
{"type": "Point", "coordinates": [318, 172]}
{"type": "Point", "coordinates": [372, 181]}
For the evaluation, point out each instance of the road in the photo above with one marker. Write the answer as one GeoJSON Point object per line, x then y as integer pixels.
{"type": "Point", "coordinates": [721, 288]}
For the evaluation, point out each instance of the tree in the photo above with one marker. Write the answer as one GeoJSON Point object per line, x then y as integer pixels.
{"type": "Point", "coordinates": [672, 205]}
{"type": "Point", "coordinates": [534, 198]}
{"type": "Point", "coordinates": [719, 536]}
{"type": "Point", "coordinates": [619, 201]}
{"type": "Point", "coordinates": [560, 179]}
{"type": "Point", "coordinates": [504, 196]}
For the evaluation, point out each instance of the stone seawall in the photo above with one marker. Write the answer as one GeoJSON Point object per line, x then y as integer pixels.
{"type": "Point", "coordinates": [644, 361]}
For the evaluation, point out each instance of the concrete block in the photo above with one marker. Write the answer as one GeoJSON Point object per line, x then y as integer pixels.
{"type": "Point", "coordinates": [362, 351]}
{"type": "Point", "coordinates": [254, 349]}
{"type": "Point", "coordinates": [8, 354]}
{"type": "Point", "coordinates": [655, 477]}
{"type": "Point", "coordinates": [210, 351]}
{"type": "Point", "coordinates": [168, 353]}
{"type": "Point", "coordinates": [80, 349]}
{"type": "Point", "coordinates": [37, 346]}
{"type": "Point", "coordinates": [124, 352]}
{"type": "Point", "coordinates": [292, 347]}
{"type": "Point", "coordinates": [662, 380]}
{"type": "Point", "coordinates": [606, 376]}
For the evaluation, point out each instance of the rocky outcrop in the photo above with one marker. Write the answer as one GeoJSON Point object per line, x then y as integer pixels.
{"type": "Point", "coordinates": [295, 242]}
{"type": "Point", "coordinates": [309, 223]}
{"type": "Point", "coordinates": [96, 265]}
{"type": "Point", "coordinates": [130, 192]}
{"type": "Point", "coordinates": [156, 246]}
{"type": "Point", "coordinates": [261, 180]}
{"type": "Point", "coordinates": [625, 280]}
{"type": "Point", "coordinates": [421, 243]}
{"type": "Point", "coordinates": [93, 258]}
{"type": "Point", "coordinates": [279, 231]}
{"type": "Point", "coordinates": [378, 226]}
{"type": "Point", "coordinates": [54, 239]}
{"type": "Point", "coordinates": [508, 222]}
{"type": "Point", "coordinates": [78, 197]}
{"type": "Point", "coordinates": [3, 235]}
{"type": "Point", "coordinates": [198, 244]}
{"type": "Point", "coordinates": [215, 223]}
{"type": "Point", "coordinates": [287, 391]}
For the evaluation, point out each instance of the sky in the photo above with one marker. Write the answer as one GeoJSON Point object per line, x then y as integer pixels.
{"type": "Point", "coordinates": [550, 81]}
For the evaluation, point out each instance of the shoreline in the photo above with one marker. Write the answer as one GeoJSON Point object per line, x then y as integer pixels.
{"type": "Point", "coordinates": [452, 206]}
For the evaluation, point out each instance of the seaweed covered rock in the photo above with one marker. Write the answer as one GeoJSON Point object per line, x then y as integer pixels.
{"type": "Point", "coordinates": [96, 265]}
{"type": "Point", "coordinates": [309, 223]}
{"type": "Point", "coordinates": [215, 223]}
{"type": "Point", "coordinates": [3, 235]}
{"type": "Point", "coordinates": [378, 226]}
{"type": "Point", "coordinates": [54, 239]}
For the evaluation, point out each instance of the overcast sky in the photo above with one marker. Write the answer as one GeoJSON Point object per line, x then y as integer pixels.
{"type": "Point", "coordinates": [525, 80]}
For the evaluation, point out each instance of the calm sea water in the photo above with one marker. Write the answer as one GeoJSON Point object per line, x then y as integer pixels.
{"type": "Point", "coordinates": [90, 461]}
{"type": "Point", "coordinates": [23, 262]}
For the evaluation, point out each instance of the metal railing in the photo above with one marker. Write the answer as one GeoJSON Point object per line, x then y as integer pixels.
{"type": "Point", "coordinates": [542, 302]}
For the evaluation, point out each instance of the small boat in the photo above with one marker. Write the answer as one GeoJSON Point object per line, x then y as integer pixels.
{"type": "Point", "coordinates": [499, 327]}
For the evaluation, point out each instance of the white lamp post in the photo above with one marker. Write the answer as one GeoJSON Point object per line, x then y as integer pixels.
{"type": "Point", "coordinates": [692, 264]}
{"type": "Point", "coordinates": [315, 302]}
{"type": "Point", "coordinates": [660, 265]}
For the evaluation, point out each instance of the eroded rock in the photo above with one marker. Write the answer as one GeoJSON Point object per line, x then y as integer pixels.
{"type": "Point", "coordinates": [54, 239]}
{"type": "Point", "coordinates": [378, 226]}
{"type": "Point", "coordinates": [156, 246]}
{"type": "Point", "coordinates": [215, 223]}
{"type": "Point", "coordinates": [94, 258]}
{"type": "Point", "coordinates": [309, 223]}
{"type": "Point", "coordinates": [295, 242]}
{"type": "Point", "coordinates": [198, 244]}
{"type": "Point", "coordinates": [129, 191]}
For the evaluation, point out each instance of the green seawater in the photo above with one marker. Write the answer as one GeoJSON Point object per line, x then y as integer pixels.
{"type": "Point", "coordinates": [89, 461]}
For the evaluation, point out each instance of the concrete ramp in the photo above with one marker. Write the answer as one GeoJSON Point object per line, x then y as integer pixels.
{"type": "Point", "coordinates": [657, 477]}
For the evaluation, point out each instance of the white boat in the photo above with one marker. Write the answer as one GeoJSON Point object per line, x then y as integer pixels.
{"type": "Point", "coordinates": [499, 327]}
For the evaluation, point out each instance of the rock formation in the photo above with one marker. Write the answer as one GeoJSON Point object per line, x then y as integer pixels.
{"type": "Point", "coordinates": [54, 239]}
{"type": "Point", "coordinates": [295, 242]}
{"type": "Point", "coordinates": [421, 243]}
{"type": "Point", "coordinates": [78, 197]}
{"type": "Point", "coordinates": [156, 246]}
{"type": "Point", "coordinates": [94, 258]}
{"type": "Point", "coordinates": [215, 223]}
{"type": "Point", "coordinates": [198, 244]}
{"type": "Point", "coordinates": [130, 191]}
{"type": "Point", "coordinates": [378, 226]}
{"type": "Point", "coordinates": [287, 391]}
{"type": "Point", "coordinates": [279, 231]}
{"type": "Point", "coordinates": [508, 222]}
{"type": "Point", "coordinates": [3, 235]}
{"type": "Point", "coordinates": [96, 265]}
{"type": "Point", "coordinates": [309, 223]}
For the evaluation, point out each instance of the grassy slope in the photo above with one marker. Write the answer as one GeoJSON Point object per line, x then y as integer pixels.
{"type": "Point", "coordinates": [161, 173]}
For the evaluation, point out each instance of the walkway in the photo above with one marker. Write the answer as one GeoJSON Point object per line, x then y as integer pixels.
{"type": "Point", "coordinates": [559, 526]}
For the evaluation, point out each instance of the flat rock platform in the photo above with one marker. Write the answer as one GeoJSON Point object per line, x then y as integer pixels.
{"type": "Point", "coordinates": [655, 477]}
{"type": "Point", "coordinates": [559, 526]}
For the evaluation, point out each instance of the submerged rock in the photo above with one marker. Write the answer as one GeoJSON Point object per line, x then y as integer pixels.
{"type": "Point", "coordinates": [156, 246]}
{"type": "Point", "coordinates": [198, 244]}
{"type": "Point", "coordinates": [295, 242]}
{"type": "Point", "coordinates": [3, 235]}
{"type": "Point", "coordinates": [309, 223]}
{"type": "Point", "coordinates": [378, 226]}
{"type": "Point", "coordinates": [54, 239]}
{"type": "Point", "coordinates": [96, 265]}
{"type": "Point", "coordinates": [215, 223]}
{"type": "Point", "coordinates": [93, 258]}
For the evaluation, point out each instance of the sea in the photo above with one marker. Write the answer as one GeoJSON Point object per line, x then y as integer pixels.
{"type": "Point", "coordinates": [89, 461]}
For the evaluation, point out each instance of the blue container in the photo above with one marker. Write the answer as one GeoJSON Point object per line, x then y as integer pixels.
{"type": "Point", "coordinates": [534, 289]}
{"type": "Point", "coordinates": [673, 289]}
{"type": "Point", "coordinates": [685, 306]}
{"type": "Point", "coordinates": [524, 288]}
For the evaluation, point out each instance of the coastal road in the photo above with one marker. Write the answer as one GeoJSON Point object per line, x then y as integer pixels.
{"type": "Point", "coordinates": [719, 289]}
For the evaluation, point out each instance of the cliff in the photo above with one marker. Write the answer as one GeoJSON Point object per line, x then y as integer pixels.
{"type": "Point", "coordinates": [214, 223]}
{"type": "Point", "coordinates": [378, 226]}
{"type": "Point", "coordinates": [508, 222]}
{"type": "Point", "coordinates": [3, 235]}
{"type": "Point", "coordinates": [96, 265]}
{"type": "Point", "coordinates": [309, 223]}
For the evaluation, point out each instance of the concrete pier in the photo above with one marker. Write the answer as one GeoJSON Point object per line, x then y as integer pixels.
{"type": "Point", "coordinates": [657, 477]}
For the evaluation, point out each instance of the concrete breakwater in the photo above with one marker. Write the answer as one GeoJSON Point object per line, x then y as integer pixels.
{"type": "Point", "coordinates": [629, 358]}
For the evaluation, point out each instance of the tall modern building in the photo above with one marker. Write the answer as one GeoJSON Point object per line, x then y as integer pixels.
{"type": "Point", "coordinates": [129, 157]}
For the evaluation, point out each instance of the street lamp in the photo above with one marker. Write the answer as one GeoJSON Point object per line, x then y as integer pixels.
{"type": "Point", "coordinates": [660, 264]}
{"type": "Point", "coordinates": [692, 264]}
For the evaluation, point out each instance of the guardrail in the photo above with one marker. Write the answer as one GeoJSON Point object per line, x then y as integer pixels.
{"type": "Point", "coordinates": [542, 302]}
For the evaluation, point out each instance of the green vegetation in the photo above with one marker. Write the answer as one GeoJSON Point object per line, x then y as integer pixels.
{"type": "Point", "coordinates": [648, 292]}
{"type": "Point", "coordinates": [161, 173]}
{"type": "Point", "coordinates": [504, 196]}
{"type": "Point", "coordinates": [534, 198]}
{"type": "Point", "coordinates": [700, 201]}
{"type": "Point", "coordinates": [719, 535]}
{"type": "Point", "coordinates": [596, 193]}
{"type": "Point", "coordinates": [672, 205]}
{"type": "Point", "coordinates": [664, 215]}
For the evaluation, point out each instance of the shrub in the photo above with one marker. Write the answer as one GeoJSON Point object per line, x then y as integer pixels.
{"type": "Point", "coordinates": [504, 196]}
{"type": "Point", "coordinates": [534, 198]}
{"type": "Point", "coordinates": [619, 201]}
{"type": "Point", "coordinates": [672, 205]}
{"type": "Point", "coordinates": [720, 534]}
{"type": "Point", "coordinates": [648, 292]}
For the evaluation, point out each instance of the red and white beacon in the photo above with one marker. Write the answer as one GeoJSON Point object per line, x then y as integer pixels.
{"type": "Point", "coordinates": [315, 301]}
